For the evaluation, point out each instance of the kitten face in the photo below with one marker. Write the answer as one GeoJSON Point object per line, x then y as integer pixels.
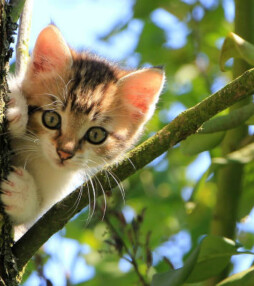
{"type": "Point", "coordinates": [86, 124]}
{"type": "Point", "coordinates": [85, 111]}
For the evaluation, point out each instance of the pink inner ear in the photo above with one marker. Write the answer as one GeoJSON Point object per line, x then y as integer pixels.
{"type": "Point", "coordinates": [141, 97]}
{"type": "Point", "coordinates": [50, 51]}
{"type": "Point", "coordinates": [141, 89]}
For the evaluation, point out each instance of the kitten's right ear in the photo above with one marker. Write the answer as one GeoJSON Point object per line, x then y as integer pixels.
{"type": "Point", "coordinates": [51, 53]}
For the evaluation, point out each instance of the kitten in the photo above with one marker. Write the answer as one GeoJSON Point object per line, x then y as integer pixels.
{"type": "Point", "coordinates": [71, 113]}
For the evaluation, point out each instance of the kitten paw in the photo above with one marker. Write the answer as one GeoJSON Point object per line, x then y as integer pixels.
{"type": "Point", "coordinates": [19, 196]}
{"type": "Point", "coordinates": [17, 112]}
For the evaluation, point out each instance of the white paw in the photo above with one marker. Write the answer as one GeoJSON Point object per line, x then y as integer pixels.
{"type": "Point", "coordinates": [19, 196]}
{"type": "Point", "coordinates": [17, 111]}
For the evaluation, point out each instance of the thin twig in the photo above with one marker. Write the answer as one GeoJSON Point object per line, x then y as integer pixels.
{"type": "Point", "coordinates": [132, 255]}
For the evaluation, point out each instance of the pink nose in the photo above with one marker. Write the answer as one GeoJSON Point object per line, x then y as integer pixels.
{"type": "Point", "coordinates": [64, 155]}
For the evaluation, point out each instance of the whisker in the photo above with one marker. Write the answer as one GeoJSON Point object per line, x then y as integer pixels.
{"type": "Point", "coordinates": [89, 200]}
{"type": "Point", "coordinates": [131, 163]}
{"type": "Point", "coordinates": [119, 184]}
{"type": "Point", "coordinates": [94, 195]}
{"type": "Point", "coordinates": [5, 133]}
{"type": "Point", "coordinates": [104, 196]}
{"type": "Point", "coordinates": [18, 152]}
{"type": "Point", "coordinates": [74, 207]}
{"type": "Point", "coordinates": [89, 183]}
{"type": "Point", "coordinates": [31, 158]}
{"type": "Point", "coordinates": [117, 180]}
{"type": "Point", "coordinates": [31, 133]}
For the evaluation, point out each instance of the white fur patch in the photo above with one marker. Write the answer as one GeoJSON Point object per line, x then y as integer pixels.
{"type": "Point", "coordinates": [17, 111]}
{"type": "Point", "coordinates": [19, 196]}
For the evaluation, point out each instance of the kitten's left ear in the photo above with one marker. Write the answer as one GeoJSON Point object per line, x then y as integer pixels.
{"type": "Point", "coordinates": [140, 91]}
{"type": "Point", "coordinates": [51, 53]}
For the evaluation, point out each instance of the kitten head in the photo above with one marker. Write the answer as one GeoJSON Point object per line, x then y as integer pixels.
{"type": "Point", "coordinates": [84, 110]}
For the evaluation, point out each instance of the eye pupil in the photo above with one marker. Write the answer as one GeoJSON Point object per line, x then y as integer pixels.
{"type": "Point", "coordinates": [96, 135]}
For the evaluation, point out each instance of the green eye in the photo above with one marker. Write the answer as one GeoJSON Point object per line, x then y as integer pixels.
{"type": "Point", "coordinates": [96, 135]}
{"type": "Point", "coordinates": [51, 119]}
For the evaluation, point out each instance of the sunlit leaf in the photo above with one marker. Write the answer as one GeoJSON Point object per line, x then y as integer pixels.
{"type": "Point", "coordinates": [243, 156]}
{"type": "Point", "coordinates": [236, 47]}
{"type": "Point", "coordinates": [178, 276]}
{"type": "Point", "coordinates": [207, 260]}
{"type": "Point", "coordinates": [246, 202]}
{"type": "Point", "coordinates": [244, 278]}
{"type": "Point", "coordinates": [186, 73]}
{"type": "Point", "coordinates": [214, 256]}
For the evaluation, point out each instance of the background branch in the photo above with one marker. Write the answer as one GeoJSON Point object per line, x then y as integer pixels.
{"type": "Point", "coordinates": [22, 47]}
{"type": "Point", "coordinates": [182, 126]}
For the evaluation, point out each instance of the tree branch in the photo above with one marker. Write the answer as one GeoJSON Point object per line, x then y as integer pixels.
{"type": "Point", "coordinates": [182, 126]}
{"type": "Point", "coordinates": [22, 47]}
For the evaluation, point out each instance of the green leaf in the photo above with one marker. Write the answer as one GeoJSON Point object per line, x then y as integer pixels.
{"type": "Point", "coordinates": [176, 8]}
{"type": "Point", "coordinates": [207, 260]}
{"type": "Point", "coordinates": [152, 39]}
{"type": "Point", "coordinates": [250, 121]}
{"type": "Point", "coordinates": [143, 8]}
{"type": "Point", "coordinates": [229, 121]}
{"type": "Point", "coordinates": [178, 276]}
{"type": "Point", "coordinates": [242, 156]}
{"type": "Point", "coordinates": [247, 201]}
{"type": "Point", "coordinates": [202, 181]}
{"type": "Point", "coordinates": [214, 256]}
{"type": "Point", "coordinates": [198, 143]}
{"type": "Point", "coordinates": [236, 47]}
{"type": "Point", "coordinates": [244, 278]}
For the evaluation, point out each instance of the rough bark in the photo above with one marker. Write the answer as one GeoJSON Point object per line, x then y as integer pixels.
{"type": "Point", "coordinates": [8, 269]}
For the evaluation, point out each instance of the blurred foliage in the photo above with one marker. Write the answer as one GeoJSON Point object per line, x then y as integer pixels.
{"type": "Point", "coordinates": [177, 190]}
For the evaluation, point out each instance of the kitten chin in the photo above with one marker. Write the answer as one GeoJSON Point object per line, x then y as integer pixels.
{"type": "Point", "coordinates": [74, 113]}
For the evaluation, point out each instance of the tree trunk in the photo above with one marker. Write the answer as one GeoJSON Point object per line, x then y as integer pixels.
{"type": "Point", "coordinates": [8, 269]}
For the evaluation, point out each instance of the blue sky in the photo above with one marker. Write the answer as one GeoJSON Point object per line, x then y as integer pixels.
{"type": "Point", "coordinates": [82, 22]}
